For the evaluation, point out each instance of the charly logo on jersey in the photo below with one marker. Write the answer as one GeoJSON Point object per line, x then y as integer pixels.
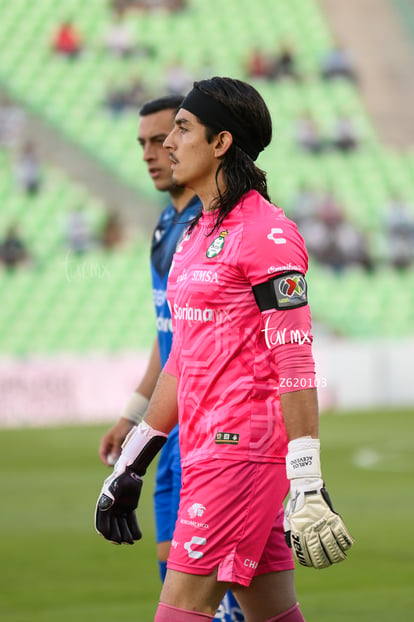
{"type": "Point", "coordinates": [274, 235]}
{"type": "Point", "coordinates": [217, 245]}
{"type": "Point", "coordinates": [195, 541]}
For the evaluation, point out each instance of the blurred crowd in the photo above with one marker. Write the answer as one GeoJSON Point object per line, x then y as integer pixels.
{"type": "Point", "coordinates": [331, 236]}
{"type": "Point", "coordinates": [27, 176]}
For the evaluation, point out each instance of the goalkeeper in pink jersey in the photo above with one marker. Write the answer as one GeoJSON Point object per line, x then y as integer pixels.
{"type": "Point", "coordinates": [240, 380]}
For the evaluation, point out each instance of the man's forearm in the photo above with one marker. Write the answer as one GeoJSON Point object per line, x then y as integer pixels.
{"type": "Point", "coordinates": [300, 413]}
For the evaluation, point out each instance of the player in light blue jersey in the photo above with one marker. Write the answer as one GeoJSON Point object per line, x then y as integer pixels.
{"type": "Point", "coordinates": [156, 122]}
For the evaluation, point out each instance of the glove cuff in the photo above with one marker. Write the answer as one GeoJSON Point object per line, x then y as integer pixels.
{"type": "Point", "coordinates": [140, 447]}
{"type": "Point", "coordinates": [303, 458]}
{"type": "Point", "coordinates": [136, 408]}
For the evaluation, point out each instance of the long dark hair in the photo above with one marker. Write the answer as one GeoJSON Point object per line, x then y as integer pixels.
{"type": "Point", "coordinates": [239, 171]}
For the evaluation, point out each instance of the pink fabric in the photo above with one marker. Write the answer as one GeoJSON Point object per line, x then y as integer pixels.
{"type": "Point", "coordinates": [167, 613]}
{"type": "Point", "coordinates": [231, 518]}
{"type": "Point", "coordinates": [227, 365]}
{"type": "Point", "coordinates": [291, 615]}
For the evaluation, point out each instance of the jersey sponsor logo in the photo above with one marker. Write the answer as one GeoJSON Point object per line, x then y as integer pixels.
{"type": "Point", "coordinates": [197, 509]}
{"type": "Point", "coordinates": [194, 523]}
{"type": "Point", "coordinates": [217, 245]}
{"type": "Point", "coordinates": [206, 276]}
{"type": "Point", "coordinates": [182, 277]}
{"type": "Point", "coordinates": [274, 235]}
{"type": "Point", "coordinates": [276, 337]}
{"type": "Point", "coordinates": [164, 325]}
{"type": "Point", "coordinates": [227, 438]}
{"type": "Point", "coordinates": [198, 541]}
{"type": "Point", "coordinates": [194, 314]}
{"type": "Point", "coordinates": [250, 563]}
{"type": "Point", "coordinates": [286, 268]}
{"type": "Point", "coordinates": [159, 296]}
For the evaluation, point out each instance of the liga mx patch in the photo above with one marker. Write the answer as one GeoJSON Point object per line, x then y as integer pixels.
{"type": "Point", "coordinates": [284, 291]}
{"type": "Point", "coordinates": [227, 438]}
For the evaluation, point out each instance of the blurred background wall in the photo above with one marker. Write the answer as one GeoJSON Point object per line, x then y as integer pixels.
{"type": "Point", "coordinates": [77, 207]}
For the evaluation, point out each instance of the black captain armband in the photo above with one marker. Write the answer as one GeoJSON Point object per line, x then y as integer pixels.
{"type": "Point", "coordinates": [283, 291]}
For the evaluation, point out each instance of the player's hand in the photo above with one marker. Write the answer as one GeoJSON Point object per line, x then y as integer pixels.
{"type": "Point", "coordinates": [111, 443]}
{"type": "Point", "coordinates": [115, 517]}
{"type": "Point", "coordinates": [313, 529]}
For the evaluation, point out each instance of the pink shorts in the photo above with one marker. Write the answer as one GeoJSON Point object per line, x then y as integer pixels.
{"type": "Point", "coordinates": [231, 518]}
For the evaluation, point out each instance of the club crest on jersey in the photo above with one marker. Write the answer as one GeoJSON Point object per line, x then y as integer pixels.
{"type": "Point", "coordinates": [217, 245]}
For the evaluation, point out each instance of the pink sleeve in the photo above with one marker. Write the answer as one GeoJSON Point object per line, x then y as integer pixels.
{"type": "Point", "coordinates": [288, 335]}
{"type": "Point", "coordinates": [171, 365]}
{"type": "Point", "coordinates": [271, 246]}
{"type": "Point", "coordinates": [287, 331]}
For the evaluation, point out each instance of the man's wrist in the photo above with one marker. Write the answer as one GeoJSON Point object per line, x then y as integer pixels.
{"type": "Point", "coordinates": [136, 408]}
{"type": "Point", "coordinates": [136, 446]}
{"type": "Point", "coordinates": [303, 458]}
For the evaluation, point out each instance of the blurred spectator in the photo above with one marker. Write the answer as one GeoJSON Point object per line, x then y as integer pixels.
{"type": "Point", "coordinates": [173, 6]}
{"type": "Point", "coordinates": [307, 134]}
{"type": "Point", "coordinates": [77, 231]}
{"type": "Point", "coordinates": [352, 247]}
{"type": "Point", "coordinates": [400, 232]}
{"type": "Point", "coordinates": [338, 63]}
{"type": "Point", "coordinates": [12, 120]}
{"type": "Point", "coordinates": [112, 233]}
{"type": "Point", "coordinates": [177, 79]}
{"type": "Point", "coordinates": [115, 99]}
{"type": "Point", "coordinates": [121, 42]}
{"type": "Point", "coordinates": [305, 205]}
{"type": "Point", "coordinates": [330, 210]}
{"type": "Point", "coordinates": [284, 65]}
{"type": "Point", "coordinates": [67, 40]}
{"type": "Point", "coordinates": [119, 98]}
{"type": "Point", "coordinates": [330, 237]}
{"type": "Point", "coordinates": [13, 251]}
{"type": "Point", "coordinates": [258, 65]}
{"type": "Point", "coordinates": [28, 169]}
{"type": "Point", "coordinates": [345, 136]}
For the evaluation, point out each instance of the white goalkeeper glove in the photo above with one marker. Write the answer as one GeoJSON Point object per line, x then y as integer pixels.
{"type": "Point", "coordinates": [115, 517]}
{"type": "Point", "coordinates": [313, 529]}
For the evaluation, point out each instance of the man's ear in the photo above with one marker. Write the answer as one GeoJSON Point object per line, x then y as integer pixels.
{"type": "Point", "coordinates": [223, 142]}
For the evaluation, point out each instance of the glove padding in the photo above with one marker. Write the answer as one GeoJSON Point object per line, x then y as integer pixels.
{"type": "Point", "coordinates": [313, 529]}
{"type": "Point", "coordinates": [115, 517]}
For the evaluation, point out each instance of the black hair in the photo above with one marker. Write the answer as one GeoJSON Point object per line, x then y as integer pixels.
{"type": "Point", "coordinates": [238, 169]}
{"type": "Point", "coordinates": [167, 102]}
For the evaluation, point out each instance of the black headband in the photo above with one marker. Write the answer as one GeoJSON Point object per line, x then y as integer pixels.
{"type": "Point", "coordinates": [216, 115]}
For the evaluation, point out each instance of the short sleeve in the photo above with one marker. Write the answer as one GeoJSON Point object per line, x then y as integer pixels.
{"type": "Point", "coordinates": [271, 246]}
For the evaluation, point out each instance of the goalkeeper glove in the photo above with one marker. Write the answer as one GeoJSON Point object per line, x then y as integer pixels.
{"type": "Point", "coordinates": [115, 517]}
{"type": "Point", "coordinates": [313, 529]}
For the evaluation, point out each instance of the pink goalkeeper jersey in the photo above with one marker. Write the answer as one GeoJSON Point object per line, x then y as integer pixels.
{"type": "Point", "coordinates": [227, 354]}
